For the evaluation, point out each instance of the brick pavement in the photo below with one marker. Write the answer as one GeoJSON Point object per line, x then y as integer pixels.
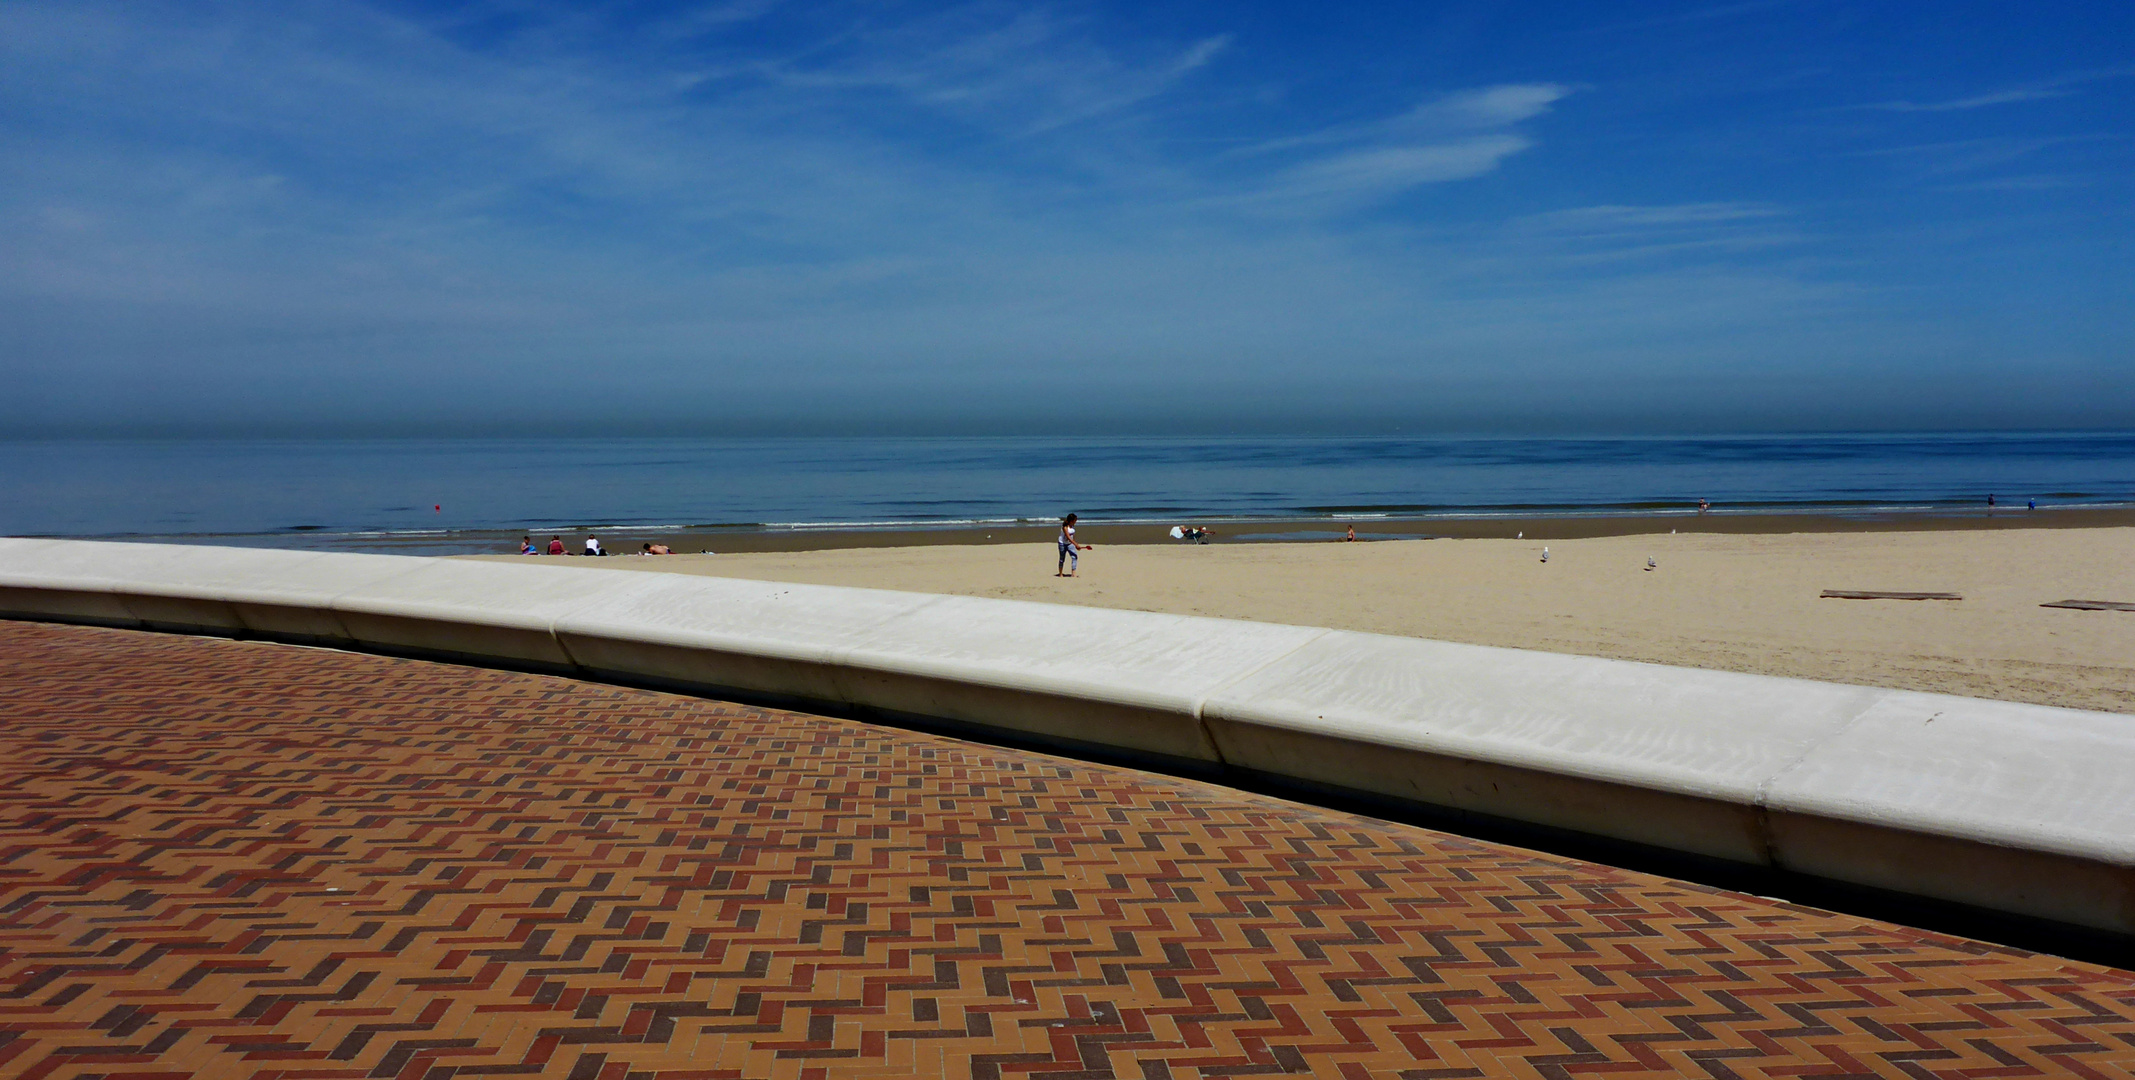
{"type": "Point", "coordinates": [221, 859]}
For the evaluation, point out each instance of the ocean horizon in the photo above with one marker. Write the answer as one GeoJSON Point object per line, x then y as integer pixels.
{"type": "Point", "coordinates": [447, 496]}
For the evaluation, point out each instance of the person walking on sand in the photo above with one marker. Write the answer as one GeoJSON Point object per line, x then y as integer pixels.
{"type": "Point", "coordinates": [1068, 547]}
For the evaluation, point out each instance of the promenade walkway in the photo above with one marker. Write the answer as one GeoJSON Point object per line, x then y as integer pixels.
{"type": "Point", "coordinates": [222, 859]}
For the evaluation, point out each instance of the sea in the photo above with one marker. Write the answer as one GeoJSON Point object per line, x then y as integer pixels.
{"type": "Point", "coordinates": [441, 496]}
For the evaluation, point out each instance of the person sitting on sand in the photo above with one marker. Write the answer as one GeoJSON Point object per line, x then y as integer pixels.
{"type": "Point", "coordinates": [592, 545]}
{"type": "Point", "coordinates": [1068, 548]}
{"type": "Point", "coordinates": [526, 546]}
{"type": "Point", "coordinates": [556, 546]}
{"type": "Point", "coordinates": [656, 549]}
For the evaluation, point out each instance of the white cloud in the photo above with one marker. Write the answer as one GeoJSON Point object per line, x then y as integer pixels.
{"type": "Point", "coordinates": [1019, 71]}
{"type": "Point", "coordinates": [1976, 101]}
{"type": "Point", "coordinates": [1488, 107]}
{"type": "Point", "coordinates": [1383, 170]}
{"type": "Point", "coordinates": [2032, 182]}
{"type": "Point", "coordinates": [329, 199]}
{"type": "Point", "coordinates": [1589, 235]}
{"type": "Point", "coordinates": [1621, 220]}
{"type": "Point", "coordinates": [2045, 90]}
{"type": "Point", "coordinates": [1446, 115]}
{"type": "Point", "coordinates": [1454, 136]}
{"type": "Point", "coordinates": [1940, 159]}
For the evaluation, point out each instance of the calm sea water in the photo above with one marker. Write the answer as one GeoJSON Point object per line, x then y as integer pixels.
{"type": "Point", "coordinates": [352, 494]}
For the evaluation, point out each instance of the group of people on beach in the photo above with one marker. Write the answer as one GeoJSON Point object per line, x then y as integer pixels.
{"type": "Point", "coordinates": [1070, 550]}
{"type": "Point", "coordinates": [556, 547]}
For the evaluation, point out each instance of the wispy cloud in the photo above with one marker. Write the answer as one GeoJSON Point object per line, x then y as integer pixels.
{"type": "Point", "coordinates": [2045, 90]}
{"type": "Point", "coordinates": [1452, 114]}
{"type": "Point", "coordinates": [2031, 182]}
{"type": "Point", "coordinates": [1613, 220]}
{"type": "Point", "coordinates": [1954, 156]}
{"type": "Point", "coordinates": [1453, 136]}
{"type": "Point", "coordinates": [1383, 170]}
{"type": "Point", "coordinates": [1614, 233]}
{"type": "Point", "coordinates": [1707, 14]}
{"type": "Point", "coordinates": [709, 208]}
{"type": "Point", "coordinates": [1021, 70]}
{"type": "Point", "coordinates": [1489, 107]}
{"type": "Point", "coordinates": [1976, 101]}
{"type": "Point", "coordinates": [383, 194]}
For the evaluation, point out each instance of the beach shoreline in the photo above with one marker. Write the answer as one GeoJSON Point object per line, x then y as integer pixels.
{"type": "Point", "coordinates": [695, 539]}
{"type": "Point", "coordinates": [1721, 593]}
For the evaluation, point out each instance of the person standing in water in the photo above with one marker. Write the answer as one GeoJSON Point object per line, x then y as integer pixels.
{"type": "Point", "coordinates": [1068, 548]}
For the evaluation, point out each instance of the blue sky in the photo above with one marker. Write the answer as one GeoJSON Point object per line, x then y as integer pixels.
{"type": "Point", "coordinates": [760, 216]}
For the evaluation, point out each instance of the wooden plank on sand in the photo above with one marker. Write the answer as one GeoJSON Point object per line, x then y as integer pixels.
{"type": "Point", "coordinates": [2092, 605]}
{"type": "Point", "coordinates": [1857, 594]}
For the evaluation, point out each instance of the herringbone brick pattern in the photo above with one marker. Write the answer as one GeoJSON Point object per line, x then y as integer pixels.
{"type": "Point", "coordinates": [231, 860]}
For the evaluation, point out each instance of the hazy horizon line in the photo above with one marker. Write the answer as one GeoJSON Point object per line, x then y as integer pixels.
{"type": "Point", "coordinates": [315, 433]}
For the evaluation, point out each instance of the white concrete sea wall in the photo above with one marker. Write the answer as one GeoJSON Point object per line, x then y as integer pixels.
{"type": "Point", "coordinates": [2019, 809]}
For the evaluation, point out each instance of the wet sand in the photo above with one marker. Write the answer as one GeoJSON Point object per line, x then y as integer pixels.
{"type": "Point", "coordinates": [1737, 601]}
{"type": "Point", "coordinates": [622, 539]}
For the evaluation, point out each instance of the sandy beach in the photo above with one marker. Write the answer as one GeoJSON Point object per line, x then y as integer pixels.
{"type": "Point", "coordinates": [1727, 601]}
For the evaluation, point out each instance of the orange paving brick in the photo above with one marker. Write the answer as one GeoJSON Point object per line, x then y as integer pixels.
{"type": "Point", "coordinates": [221, 859]}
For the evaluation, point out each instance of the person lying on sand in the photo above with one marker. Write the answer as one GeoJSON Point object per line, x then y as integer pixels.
{"type": "Point", "coordinates": [656, 549]}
